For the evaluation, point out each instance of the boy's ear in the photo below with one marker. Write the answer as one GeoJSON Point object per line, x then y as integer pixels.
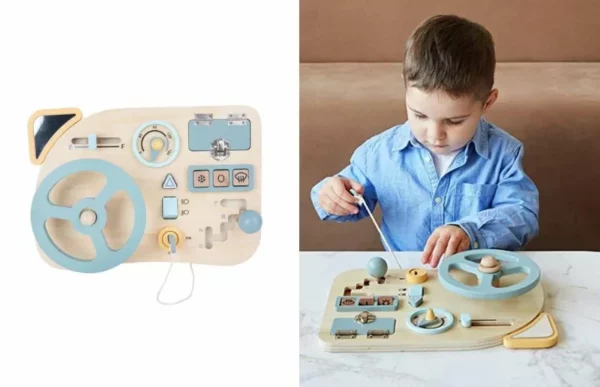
{"type": "Point", "coordinates": [492, 97]}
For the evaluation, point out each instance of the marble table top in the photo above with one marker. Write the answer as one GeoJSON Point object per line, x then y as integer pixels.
{"type": "Point", "coordinates": [572, 284]}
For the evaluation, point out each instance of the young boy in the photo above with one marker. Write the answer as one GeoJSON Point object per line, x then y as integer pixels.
{"type": "Point", "coordinates": [446, 180]}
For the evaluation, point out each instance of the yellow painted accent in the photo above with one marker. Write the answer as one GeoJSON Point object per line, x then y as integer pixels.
{"type": "Point", "coordinates": [157, 144]}
{"type": "Point", "coordinates": [163, 237]}
{"type": "Point", "coordinates": [430, 316]}
{"type": "Point", "coordinates": [416, 276]}
{"type": "Point", "coordinates": [532, 343]}
{"type": "Point", "coordinates": [49, 112]}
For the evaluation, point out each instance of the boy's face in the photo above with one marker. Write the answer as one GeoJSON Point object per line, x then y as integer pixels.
{"type": "Point", "coordinates": [441, 123]}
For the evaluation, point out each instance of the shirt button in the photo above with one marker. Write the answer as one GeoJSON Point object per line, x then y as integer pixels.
{"type": "Point", "coordinates": [438, 200]}
{"type": "Point", "coordinates": [427, 158]}
{"type": "Point", "coordinates": [476, 245]}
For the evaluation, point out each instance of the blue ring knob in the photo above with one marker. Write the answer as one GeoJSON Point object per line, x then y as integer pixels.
{"type": "Point", "coordinates": [250, 222]}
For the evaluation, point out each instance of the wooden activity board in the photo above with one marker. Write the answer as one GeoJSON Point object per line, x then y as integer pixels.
{"type": "Point", "coordinates": [132, 185]}
{"type": "Point", "coordinates": [474, 300]}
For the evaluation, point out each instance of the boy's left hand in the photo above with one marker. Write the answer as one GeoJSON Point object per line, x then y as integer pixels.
{"type": "Point", "coordinates": [445, 241]}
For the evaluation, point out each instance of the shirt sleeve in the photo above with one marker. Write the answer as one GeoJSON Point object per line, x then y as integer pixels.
{"type": "Point", "coordinates": [512, 222]}
{"type": "Point", "coordinates": [357, 170]}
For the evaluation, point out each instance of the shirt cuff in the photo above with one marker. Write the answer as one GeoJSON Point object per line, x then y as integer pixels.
{"type": "Point", "coordinates": [323, 215]}
{"type": "Point", "coordinates": [477, 240]}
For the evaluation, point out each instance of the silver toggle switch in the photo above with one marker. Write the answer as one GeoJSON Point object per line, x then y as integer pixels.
{"type": "Point", "coordinates": [220, 149]}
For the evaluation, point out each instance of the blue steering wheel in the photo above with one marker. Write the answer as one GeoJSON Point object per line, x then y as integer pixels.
{"type": "Point", "coordinates": [511, 263]}
{"type": "Point", "coordinates": [42, 210]}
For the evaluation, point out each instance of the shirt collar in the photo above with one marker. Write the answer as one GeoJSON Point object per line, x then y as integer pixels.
{"type": "Point", "coordinates": [480, 139]}
{"type": "Point", "coordinates": [404, 137]}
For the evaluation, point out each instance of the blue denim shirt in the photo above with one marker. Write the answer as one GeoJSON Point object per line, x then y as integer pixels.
{"type": "Point", "coordinates": [485, 190]}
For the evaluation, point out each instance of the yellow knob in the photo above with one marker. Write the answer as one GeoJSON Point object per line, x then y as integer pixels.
{"type": "Point", "coordinates": [157, 144]}
{"type": "Point", "coordinates": [163, 237]}
{"type": "Point", "coordinates": [416, 276]}
{"type": "Point", "coordinates": [430, 316]}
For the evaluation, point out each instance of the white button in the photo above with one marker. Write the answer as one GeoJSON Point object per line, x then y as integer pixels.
{"type": "Point", "coordinates": [476, 245]}
{"type": "Point", "coordinates": [427, 158]}
{"type": "Point", "coordinates": [438, 200]}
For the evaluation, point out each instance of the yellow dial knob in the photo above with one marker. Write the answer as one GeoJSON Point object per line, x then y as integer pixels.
{"type": "Point", "coordinates": [416, 276]}
{"type": "Point", "coordinates": [157, 144]}
{"type": "Point", "coordinates": [163, 237]}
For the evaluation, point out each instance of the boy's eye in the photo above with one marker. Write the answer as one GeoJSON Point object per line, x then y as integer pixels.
{"type": "Point", "coordinates": [420, 116]}
{"type": "Point", "coordinates": [455, 123]}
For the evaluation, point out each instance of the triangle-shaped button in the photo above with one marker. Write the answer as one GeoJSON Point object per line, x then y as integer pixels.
{"type": "Point", "coordinates": [169, 182]}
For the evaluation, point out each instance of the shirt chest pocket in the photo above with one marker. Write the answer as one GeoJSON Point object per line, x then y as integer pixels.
{"type": "Point", "coordinates": [472, 198]}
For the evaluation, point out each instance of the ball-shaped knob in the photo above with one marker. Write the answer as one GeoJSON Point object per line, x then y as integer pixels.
{"type": "Point", "coordinates": [377, 267]}
{"type": "Point", "coordinates": [250, 222]}
{"type": "Point", "coordinates": [489, 264]}
{"type": "Point", "coordinates": [489, 261]}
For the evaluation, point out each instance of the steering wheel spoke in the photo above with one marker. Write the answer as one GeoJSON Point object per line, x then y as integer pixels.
{"type": "Point", "coordinates": [486, 280]}
{"type": "Point", "coordinates": [60, 212]}
{"type": "Point", "coordinates": [509, 268]}
{"type": "Point", "coordinates": [468, 266]}
{"type": "Point", "coordinates": [100, 244]}
{"type": "Point", "coordinates": [108, 191]}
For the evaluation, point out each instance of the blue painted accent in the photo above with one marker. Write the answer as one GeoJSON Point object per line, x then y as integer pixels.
{"type": "Point", "coordinates": [42, 210]}
{"type": "Point", "coordinates": [250, 222]}
{"type": "Point", "coordinates": [465, 320]}
{"type": "Point", "coordinates": [415, 290]}
{"type": "Point", "coordinates": [200, 137]}
{"type": "Point", "coordinates": [211, 187]}
{"type": "Point", "coordinates": [169, 182]}
{"type": "Point", "coordinates": [468, 261]}
{"type": "Point", "coordinates": [415, 301]}
{"type": "Point", "coordinates": [172, 243]}
{"type": "Point", "coordinates": [348, 323]}
{"type": "Point", "coordinates": [377, 267]}
{"type": "Point", "coordinates": [170, 208]}
{"type": "Point", "coordinates": [175, 144]}
{"type": "Point", "coordinates": [369, 308]}
{"type": "Point", "coordinates": [92, 141]}
{"type": "Point", "coordinates": [431, 331]}
{"type": "Point", "coordinates": [155, 153]}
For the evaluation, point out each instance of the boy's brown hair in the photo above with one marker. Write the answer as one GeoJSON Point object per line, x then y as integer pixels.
{"type": "Point", "coordinates": [452, 54]}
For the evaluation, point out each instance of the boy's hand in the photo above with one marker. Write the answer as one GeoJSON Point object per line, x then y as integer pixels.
{"type": "Point", "coordinates": [335, 197]}
{"type": "Point", "coordinates": [445, 241]}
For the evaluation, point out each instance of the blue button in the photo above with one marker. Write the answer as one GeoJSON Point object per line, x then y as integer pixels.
{"type": "Point", "coordinates": [92, 141]}
{"type": "Point", "coordinates": [250, 222]}
{"type": "Point", "coordinates": [169, 207]}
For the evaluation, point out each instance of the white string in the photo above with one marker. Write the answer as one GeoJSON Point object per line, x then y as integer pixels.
{"type": "Point", "coordinates": [165, 281]}
{"type": "Point", "coordinates": [364, 203]}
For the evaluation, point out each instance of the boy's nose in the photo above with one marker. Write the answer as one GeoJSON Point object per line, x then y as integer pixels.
{"type": "Point", "coordinates": [436, 134]}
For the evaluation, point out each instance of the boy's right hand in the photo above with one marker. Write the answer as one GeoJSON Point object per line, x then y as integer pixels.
{"type": "Point", "coordinates": [335, 197]}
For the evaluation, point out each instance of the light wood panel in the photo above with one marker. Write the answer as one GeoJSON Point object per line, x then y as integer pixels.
{"type": "Point", "coordinates": [205, 208]}
{"type": "Point", "coordinates": [520, 311]}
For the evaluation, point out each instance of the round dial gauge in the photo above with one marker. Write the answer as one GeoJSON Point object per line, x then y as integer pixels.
{"type": "Point", "coordinates": [156, 144]}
